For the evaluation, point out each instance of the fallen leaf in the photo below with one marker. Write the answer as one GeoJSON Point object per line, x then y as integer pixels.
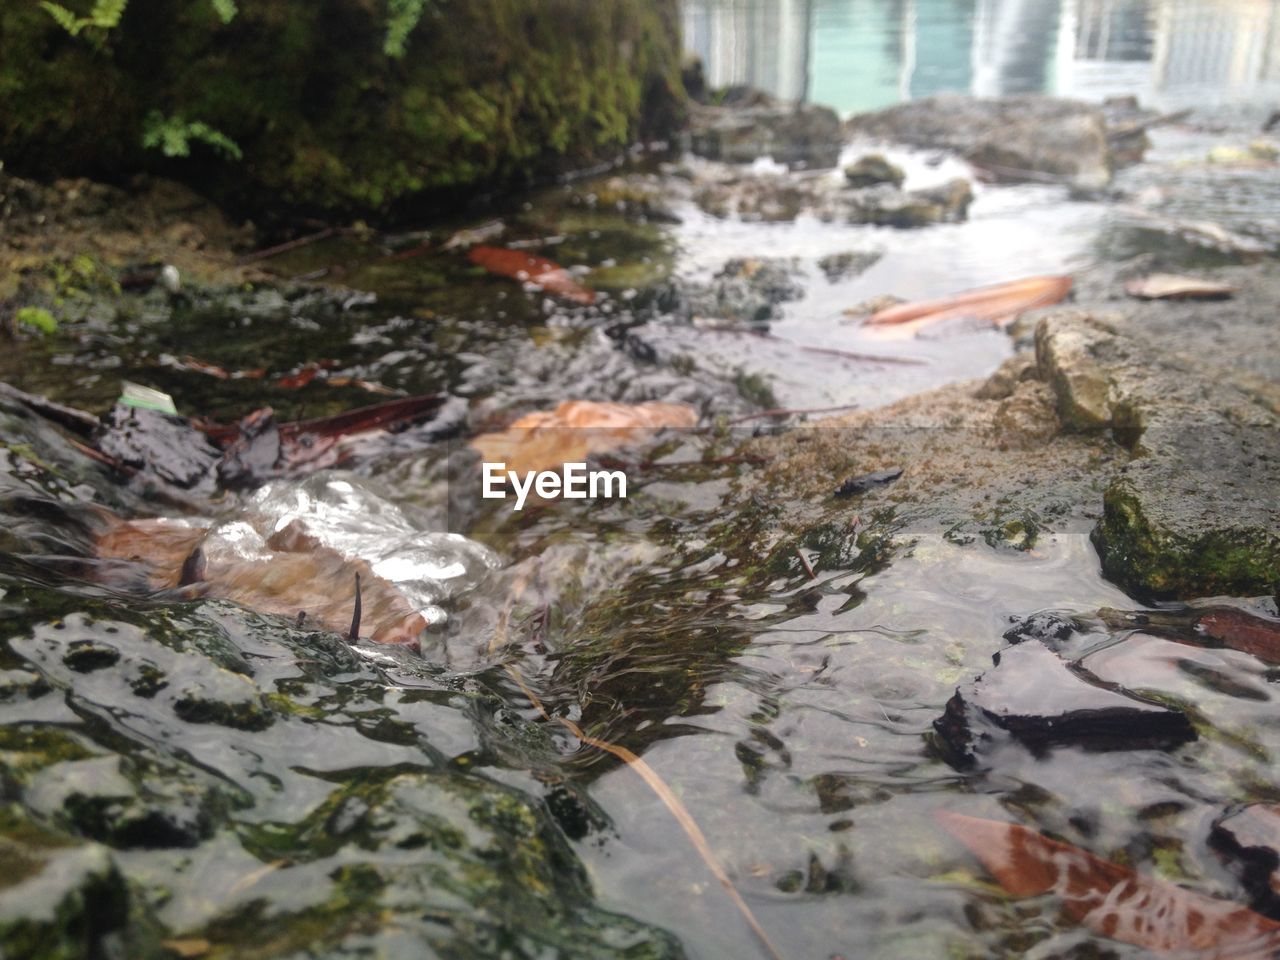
{"type": "Point", "coordinates": [1112, 900]}
{"type": "Point", "coordinates": [525, 267]}
{"type": "Point", "coordinates": [577, 429]}
{"type": "Point", "coordinates": [294, 573]}
{"type": "Point", "coordinates": [257, 449]}
{"type": "Point", "coordinates": [1171, 286]}
{"type": "Point", "coordinates": [1001, 304]}
{"type": "Point", "coordinates": [296, 381]}
{"type": "Point", "coordinates": [1243, 631]}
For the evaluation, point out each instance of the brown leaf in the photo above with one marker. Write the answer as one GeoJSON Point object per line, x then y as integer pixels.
{"type": "Point", "coordinates": [1243, 631]}
{"type": "Point", "coordinates": [1001, 304]}
{"type": "Point", "coordinates": [577, 429]}
{"type": "Point", "coordinates": [1112, 900]}
{"type": "Point", "coordinates": [525, 267]}
{"type": "Point", "coordinates": [299, 574]}
{"type": "Point", "coordinates": [1171, 286]}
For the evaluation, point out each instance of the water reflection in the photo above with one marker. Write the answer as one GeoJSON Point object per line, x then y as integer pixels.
{"type": "Point", "coordinates": [864, 54]}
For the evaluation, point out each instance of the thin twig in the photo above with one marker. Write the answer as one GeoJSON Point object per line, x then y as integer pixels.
{"type": "Point", "coordinates": [789, 412]}
{"type": "Point", "coordinates": [269, 252]}
{"type": "Point", "coordinates": [824, 351]}
{"type": "Point", "coordinates": [808, 567]}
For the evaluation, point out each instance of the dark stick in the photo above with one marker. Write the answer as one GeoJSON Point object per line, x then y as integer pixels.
{"type": "Point", "coordinates": [825, 351]}
{"type": "Point", "coordinates": [279, 248]}
{"type": "Point", "coordinates": [354, 634]}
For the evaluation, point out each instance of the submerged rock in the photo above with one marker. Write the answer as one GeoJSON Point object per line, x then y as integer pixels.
{"type": "Point", "coordinates": [1041, 702]}
{"type": "Point", "coordinates": [746, 290]}
{"type": "Point", "coordinates": [1015, 138]}
{"type": "Point", "coordinates": [58, 898]}
{"type": "Point", "coordinates": [1248, 840]}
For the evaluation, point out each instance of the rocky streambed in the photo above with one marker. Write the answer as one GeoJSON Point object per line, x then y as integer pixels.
{"type": "Point", "coordinates": [792, 618]}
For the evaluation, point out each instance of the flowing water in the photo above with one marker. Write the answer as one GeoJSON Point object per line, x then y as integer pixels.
{"type": "Point", "coordinates": [275, 792]}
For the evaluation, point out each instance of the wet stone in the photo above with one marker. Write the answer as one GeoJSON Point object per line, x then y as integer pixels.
{"type": "Point", "coordinates": [21, 684]}
{"type": "Point", "coordinates": [746, 290]}
{"type": "Point", "coordinates": [165, 447]}
{"type": "Point", "coordinates": [57, 898]}
{"type": "Point", "coordinates": [856, 486]}
{"type": "Point", "coordinates": [220, 699]}
{"type": "Point", "coordinates": [1016, 137]}
{"type": "Point", "coordinates": [871, 169]}
{"type": "Point", "coordinates": [843, 266]}
{"type": "Point", "coordinates": [799, 135]}
{"type": "Point", "coordinates": [1038, 700]}
{"type": "Point", "coordinates": [1048, 628]}
{"type": "Point", "coordinates": [85, 656]}
{"type": "Point", "coordinates": [887, 206]}
{"type": "Point", "coordinates": [1248, 840]}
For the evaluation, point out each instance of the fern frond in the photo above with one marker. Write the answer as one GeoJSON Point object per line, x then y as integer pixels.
{"type": "Point", "coordinates": [226, 9]}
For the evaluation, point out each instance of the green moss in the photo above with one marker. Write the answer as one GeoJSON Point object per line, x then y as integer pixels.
{"type": "Point", "coordinates": [490, 92]}
{"type": "Point", "coordinates": [1147, 557]}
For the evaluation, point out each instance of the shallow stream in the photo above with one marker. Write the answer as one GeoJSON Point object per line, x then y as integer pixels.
{"type": "Point", "coordinates": [266, 789]}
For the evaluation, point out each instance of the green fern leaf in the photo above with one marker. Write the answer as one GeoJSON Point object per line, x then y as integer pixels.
{"type": "Point", "coordinates": [106, 13]}
{"type": "Point", "coordinates": [64, 17]}
{"type": "Point", "coordinates": [226, 9]}
{"type": "Point", "coordinates": [402, 17]}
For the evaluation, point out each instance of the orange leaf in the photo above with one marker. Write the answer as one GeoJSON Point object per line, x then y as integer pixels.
{"type": "Point", "coordinates": [1113, 900]}
{"type": "Point", "coordinates": [522, 266]}
{"type": "Point", "coordinates": [1001, 304]}
{"type": "Point", "coordinates": [577, 429]}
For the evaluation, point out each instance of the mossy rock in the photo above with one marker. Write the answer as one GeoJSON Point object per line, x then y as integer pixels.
{"type": "Point", "coordinates": [489, 93]}
{"type": "Point", "coordinates": [58, 899]}
{"type": "Point", "coordinates": [1155, 544]}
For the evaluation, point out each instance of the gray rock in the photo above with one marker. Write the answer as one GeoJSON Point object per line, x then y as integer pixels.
{"type": "Point", "coordinates": [57, 898]}
{"type": "Point", "coordinates": [1065, 343]}
{"type": "Point", "coordinates": [850, 263]}
{"type": "Point", "coordinates": [1015, 138]}
{"type": "Point", "coordinates": [887, 206]}
{"type": "Point", "coordinates": [872, 169]}
{"type": "Point", "coordinates": [1035, 698]}
{"type": "Point", "coordinates": [799, 135]}
{"type": "Point", "coordinates": [746, 290]}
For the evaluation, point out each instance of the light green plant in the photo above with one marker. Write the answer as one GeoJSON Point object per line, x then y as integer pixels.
{"type": "Point", "coordinates": [226, 9]}
{"type": "Point", "coordinates": [402, 17]}
{"type": "Point", "coordinates": [104, 15]}
{"type": "Point", "coordinates": [172, 136]}
{"type": "Point", "coordinates": [37, 317]}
